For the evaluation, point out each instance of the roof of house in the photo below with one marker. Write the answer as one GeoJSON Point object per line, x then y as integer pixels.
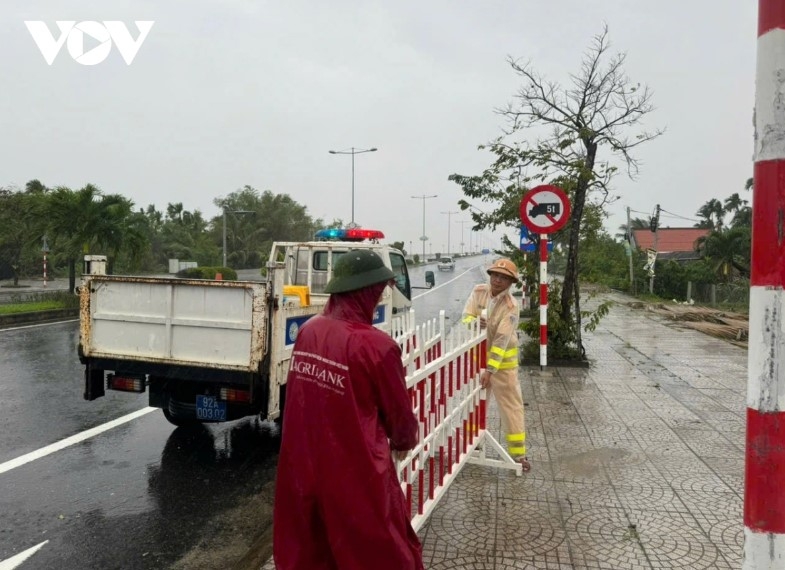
{"type": "Point", "coordinates": [669, 239]}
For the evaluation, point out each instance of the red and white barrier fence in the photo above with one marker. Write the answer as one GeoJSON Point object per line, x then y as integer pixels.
{"type": "Point", "coordinates": [443, 377]}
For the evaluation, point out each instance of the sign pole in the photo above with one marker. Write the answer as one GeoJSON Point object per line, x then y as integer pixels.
{"type": "Point", "coordinates": [543, 301]}
{"type": "Point", "coordinates": [45, 249]}
{"type": "Point", "coordinates": [544, 210]}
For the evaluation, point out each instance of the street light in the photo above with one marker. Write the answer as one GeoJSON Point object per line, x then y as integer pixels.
{"type": "Point", "coordinates": [353, 151]}
{"type": "Point", "coordinates": [424, 238]}
{"type": "Point", "coordinates": [463, 223]}
{"type": "Point", "coordinates": [449, 214]}
{"type": "Point", "coordinates": [224, 228]}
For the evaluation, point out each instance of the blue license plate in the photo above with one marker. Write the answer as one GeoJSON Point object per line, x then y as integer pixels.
{"type": "Point", "coordinates": [210, 408]}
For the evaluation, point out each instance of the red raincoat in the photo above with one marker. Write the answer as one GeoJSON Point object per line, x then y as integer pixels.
{"type": "Point", "coordinates": [338, 503]}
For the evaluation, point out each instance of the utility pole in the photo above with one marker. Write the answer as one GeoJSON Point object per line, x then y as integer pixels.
{"type": "Point", "coordinates": [629, 242]}
{"type": "Point", "coordinates": [655, 226]}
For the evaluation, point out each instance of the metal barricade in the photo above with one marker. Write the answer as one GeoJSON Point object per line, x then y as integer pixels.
{"type": "Point", "coordinates": [443, 378]}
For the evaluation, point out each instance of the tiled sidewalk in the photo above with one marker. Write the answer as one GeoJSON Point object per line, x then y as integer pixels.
{"type": "Point", "coordinates": [637, 462]}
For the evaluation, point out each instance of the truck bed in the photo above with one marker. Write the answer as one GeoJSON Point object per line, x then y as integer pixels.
{"type": "Point", "coordinates": [183, 322]}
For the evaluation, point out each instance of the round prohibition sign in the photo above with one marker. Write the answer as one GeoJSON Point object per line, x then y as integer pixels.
{"type": "Point", "coordinates": [545, 209]}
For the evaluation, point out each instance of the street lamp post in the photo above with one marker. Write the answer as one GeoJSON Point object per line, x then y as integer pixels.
{"type": "Point", "coordinates": [353, 151]}
{"type": "Point", "coordinates": [463, 223]}
{"type": "Point", "coordinates": [224, 228]}
{"type": "Point", "coordinates": [449, 215]}
{"type": "Point", "coordinates": [424, 238]}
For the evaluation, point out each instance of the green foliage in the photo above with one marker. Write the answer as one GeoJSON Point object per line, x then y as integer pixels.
{"type": "Point", "coordinates": [728, 249]}
{"type": "Point", "coordinates": [561, 334]}
{"type": "Point", "coordinates": [272, 217]}
{"type": "Point", "coordinates": [603, 260]}
{"type": "Point", "coordinates": [227, 273]}
{"type": "Point", "coordinates": [40, 302]}
{"type": "Point", "coordinates": [596, 316]}
{"type": "Point", "coordinates": [671, 278]}
{"type": "Point", "coordinates": [140, 240]}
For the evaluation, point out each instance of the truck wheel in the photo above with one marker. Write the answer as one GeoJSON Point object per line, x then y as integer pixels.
{"type": "Point", "coordinates": [178, 421]}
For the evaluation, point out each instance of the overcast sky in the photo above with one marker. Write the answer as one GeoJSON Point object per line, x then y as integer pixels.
{"type": "Point", "coordinates": [227, 93]}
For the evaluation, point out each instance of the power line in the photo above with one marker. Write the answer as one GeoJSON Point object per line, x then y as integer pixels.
{"type": "Point", "coordinates": [678, 216]}
{"type": "Point", "coordinates": [663, 210]}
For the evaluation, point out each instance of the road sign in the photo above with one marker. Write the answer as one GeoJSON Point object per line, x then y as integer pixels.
{"type": "Point", "coordinates": [545, 209]}
{"type": "Point", "coordinates": [528, 242]}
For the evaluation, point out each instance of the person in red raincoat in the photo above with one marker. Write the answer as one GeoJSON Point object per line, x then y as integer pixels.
{"type": "Point", "coordinates": [338, 502]}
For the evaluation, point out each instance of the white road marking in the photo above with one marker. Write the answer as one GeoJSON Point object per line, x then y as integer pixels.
{"type": "Point", "coordinates": [445, 283]}
{"type": "Point", "coordinates": [74, 439]}
{"type": "Point", "coordinates": [38, 325]}
{"type": "Point", "coordinates": [14, 561]}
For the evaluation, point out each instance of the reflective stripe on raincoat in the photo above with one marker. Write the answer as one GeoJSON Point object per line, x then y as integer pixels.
{"type": "Point", "coordinates": [502, 325]}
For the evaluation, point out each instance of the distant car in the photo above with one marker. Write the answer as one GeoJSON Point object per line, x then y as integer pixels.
{"type": "Point", "coordinates": [446, 263]}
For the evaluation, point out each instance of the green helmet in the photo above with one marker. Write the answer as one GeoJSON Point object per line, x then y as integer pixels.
{"type": "Point", "coordinates": [356, 269]}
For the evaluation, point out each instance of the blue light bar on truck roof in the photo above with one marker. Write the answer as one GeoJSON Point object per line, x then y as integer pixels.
{"type": "Point", "coordinates": [350, 234]}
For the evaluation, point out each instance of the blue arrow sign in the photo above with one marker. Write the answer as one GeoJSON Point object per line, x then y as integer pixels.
{"type": "Point", "coordinates": [527, 243]}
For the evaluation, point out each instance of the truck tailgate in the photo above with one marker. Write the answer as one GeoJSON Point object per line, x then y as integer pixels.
{"type": "Point", "coordinates": [212, 324]}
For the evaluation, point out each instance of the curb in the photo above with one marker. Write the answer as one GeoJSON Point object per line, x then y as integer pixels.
{"type": "Point", "coordinates": [52, 315]}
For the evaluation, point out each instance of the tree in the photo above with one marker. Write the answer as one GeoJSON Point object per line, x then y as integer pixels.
{"type": "Point", "coordinates": [585, 124]}
{"type": "Point", "coordinates": [727, 248]}
{"type": "Point", "coordinates": [712, 214]}
{"type": "Point", "coordinates": [635, 224]}
{"type": "Point", "coordinates": [277, 217]}
{"type": "Point", "coordinates": [20, 229]}
{"type": "Point", "coordinates": [84, 220]}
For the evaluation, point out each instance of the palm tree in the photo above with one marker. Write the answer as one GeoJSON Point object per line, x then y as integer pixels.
{"type": "Point", "coordinates": [728, 248]}
{"type": "Point", "coordinates": [84, 220]}
{"type": "Point", "coordinates": [713, 214]}
{"type": "Point", "coordinates": [635, 224]}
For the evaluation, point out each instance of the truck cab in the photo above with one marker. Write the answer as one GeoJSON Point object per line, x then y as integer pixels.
{"type": "Point", "coordinates": [310, 264]}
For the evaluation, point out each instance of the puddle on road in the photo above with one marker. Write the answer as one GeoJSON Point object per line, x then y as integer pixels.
{"type": "Point", "coordinates": [589, 463]}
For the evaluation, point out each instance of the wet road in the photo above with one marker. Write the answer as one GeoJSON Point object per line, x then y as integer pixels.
{"type": "Point", "coordinates": [141, 494]}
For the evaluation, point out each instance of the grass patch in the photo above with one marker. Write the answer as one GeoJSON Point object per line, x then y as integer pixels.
{"type": "Point", "coordinates": [40, 302]}
{"type": "Point", "coordinates": [32, 307]}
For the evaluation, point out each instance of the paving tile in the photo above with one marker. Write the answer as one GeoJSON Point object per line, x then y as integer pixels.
{"type": "Point", "coordinates": [529, 528]}
{"type": "Point", "coordinates": [712, 502]}
{"type": "Point", "coordinates": [461, 562]}
{"type": "Point", "coordinates": [729, 469]}
{"type": "Point", "coordinates": [727, 532]}
{"type": "Point", "coordinates": [603, 539]}
{"type": "Point", "coordinates": [676, 540]}
{"type": "Point", "coordinates": [557, 561]}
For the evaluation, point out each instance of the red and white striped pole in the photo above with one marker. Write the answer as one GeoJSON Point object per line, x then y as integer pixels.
{"type": "Point", "coordinates": [543, 300]}
{"type": "Point", "coordinates": [764, 473]}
